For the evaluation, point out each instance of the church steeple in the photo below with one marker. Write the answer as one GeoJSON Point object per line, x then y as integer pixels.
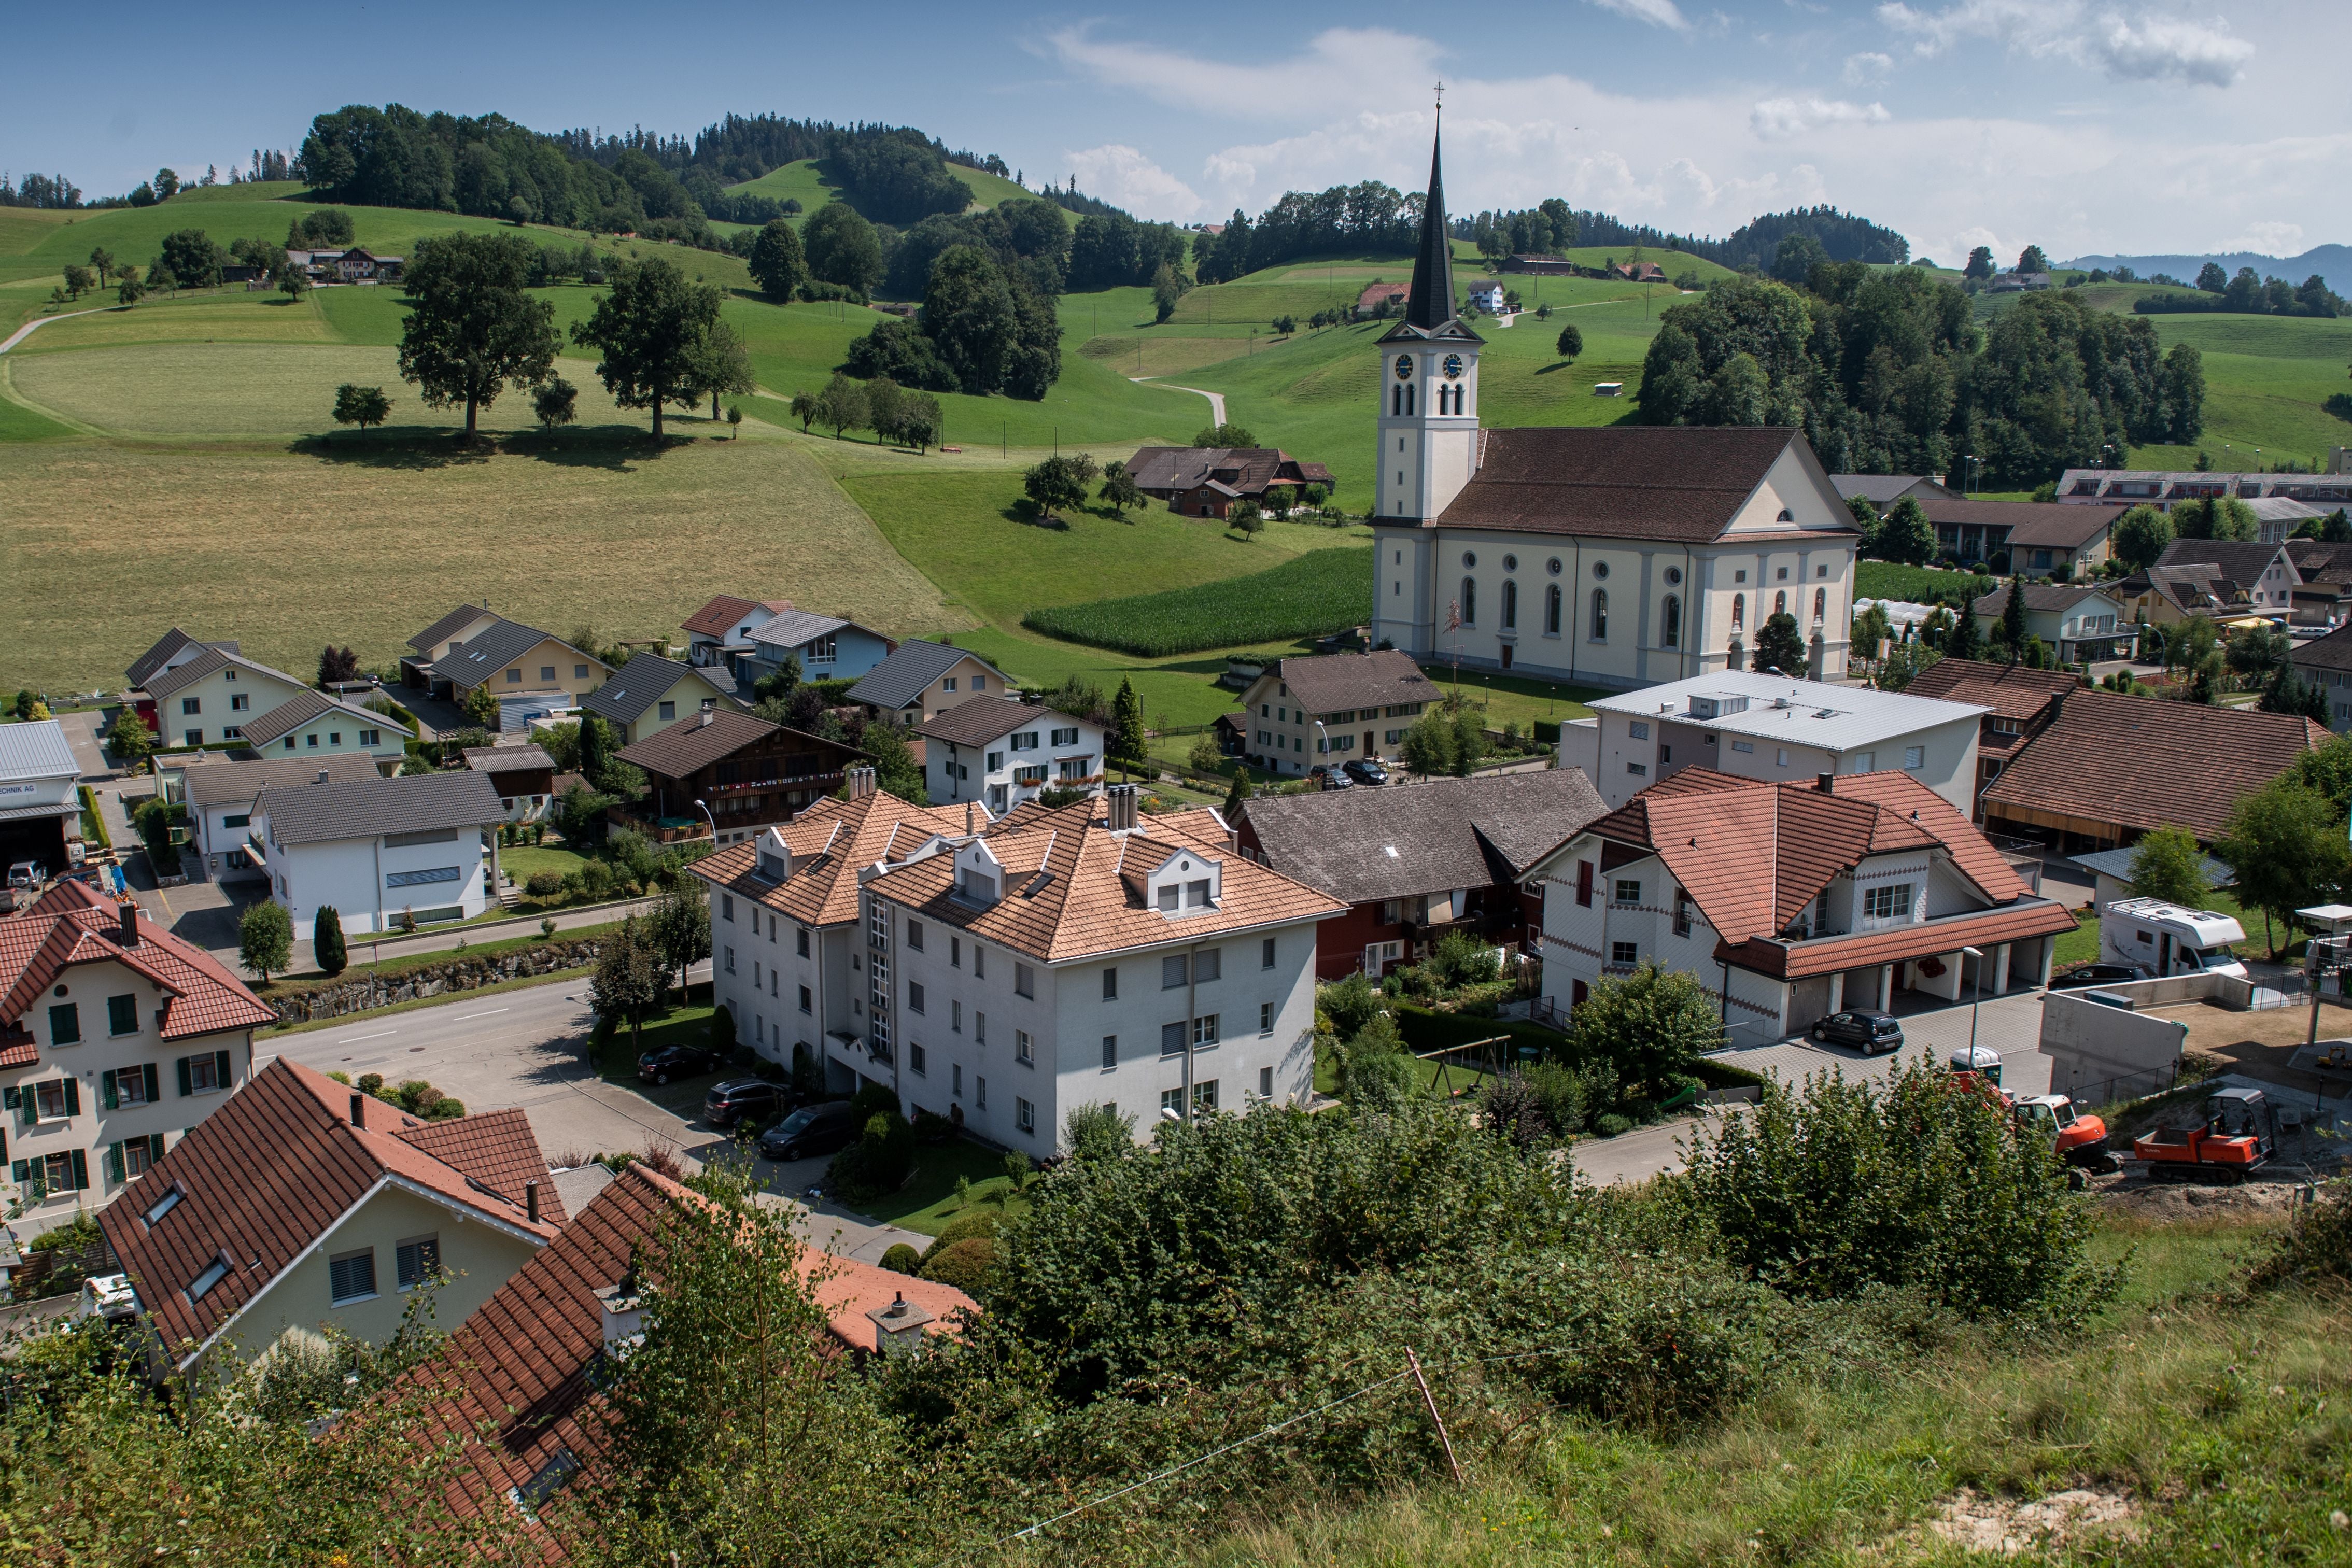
{"type": "Point", "coordinates": [1431, 304]}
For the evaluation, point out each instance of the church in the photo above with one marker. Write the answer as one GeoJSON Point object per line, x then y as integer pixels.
{"type": "Point", "coordinates": [1621, 555]}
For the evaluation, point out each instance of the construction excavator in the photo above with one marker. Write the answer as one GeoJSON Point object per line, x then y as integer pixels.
{"type": "Point", "coordinates": [2078, 1138]}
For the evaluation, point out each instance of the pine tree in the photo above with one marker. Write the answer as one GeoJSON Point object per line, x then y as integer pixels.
{"type": "Point", "coordinates": [2012, 619]}
{"type": "Point", "coordinates": [1127, 719]}
{"type": "Point", "coordinates": [1965, 641]}
{"type": "Point", "coordinates": [327, 947]}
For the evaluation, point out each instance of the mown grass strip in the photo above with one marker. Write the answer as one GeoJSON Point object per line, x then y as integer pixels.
{"type": "Point", "coordinates": [1322, 591]}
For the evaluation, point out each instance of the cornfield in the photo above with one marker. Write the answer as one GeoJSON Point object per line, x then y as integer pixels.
{"type": "Point", "coordinates": [1322, 591]}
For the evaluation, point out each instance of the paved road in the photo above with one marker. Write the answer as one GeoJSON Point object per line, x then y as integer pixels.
{"type": "Point", "coordinates": [1216, 400]}
{"type": "Point", "coordinates": [527, 1048]}
{"type": "Point", "coordinates": [29, 327]}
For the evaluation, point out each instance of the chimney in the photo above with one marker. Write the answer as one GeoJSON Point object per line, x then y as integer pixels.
{"type": "Point", "coordinates": [129, 930]}
{"type": "Point", "coordinates": [322, 775]}
{"type": "Point", "coordinates": [967, 818]}
{"type": "Point", "coordinates": [624, 1320]}
{"type": "Point", "coordinates": [359, 1118]}
{"type": "Point", "coordinates": [898, 1327]}
{"type": "Point", "coordinates": [530, 1199]}
{"type": "Point", "coordinates": [706, 716]}
{"type": "Point", "coordinates": [1121, 799]}
{"type": "Point", "coordinates": [860, 780]}
{"type": "Point", "coordinates": [1824, 782]}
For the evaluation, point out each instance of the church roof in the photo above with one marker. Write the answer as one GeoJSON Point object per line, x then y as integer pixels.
{"type": "Point", "coordinates": [1429, 311]}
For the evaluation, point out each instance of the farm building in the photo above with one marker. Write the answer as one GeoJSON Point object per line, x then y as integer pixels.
{"type": "Point", "coordinates": [1208, 481]}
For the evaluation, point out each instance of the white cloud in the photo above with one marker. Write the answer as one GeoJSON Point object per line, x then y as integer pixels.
{"type": "Point", "coordinates": [1657, 13]}
{"type": "Point", "coordinates": [1777, 118]}
{"type": "Point", "coordinates": [1124, 177]}
{"type": "Point", "coordinates": [2154, 49]}
{"type": "Point", "coordinates": [1869, 65]}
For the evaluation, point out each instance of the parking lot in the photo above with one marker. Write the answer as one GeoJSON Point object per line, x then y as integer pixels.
{"type": "Point", "coordinates": [2010, 1025]}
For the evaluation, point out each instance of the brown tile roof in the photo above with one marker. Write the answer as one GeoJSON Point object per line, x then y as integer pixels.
{"type": "Point", "coordinates": [694, 743]}
{"type": "Point", "coordinates": [2012, 691]}
{"type": "Point", "coordinates": [268, 1174]}
{"type": "Point", "coordinates": [507, 758]}
{"type": "Point", "coordinates": [1073, 888]}
{"type": "Point", "coordinates": [2141, 763]}
{"type": "Point", "coordinates": [1329, 682]}
{"type": "Point", "coordinates": [2043, 596]}
{"type": "Point", "coordinates": [71, 924]}
{"type": "Point", "coordinates": [1826, 956]}
{"type": "Point", "coordinates": [2332, 652]}
{"type": "Point", "coordinates": [1238, 470]}
{"type": "Point", "coordinates": [1682, 484]}
{"type": "Point", "coordinates": [976, 721]}
{"type": "Point", "coordinates": [518, 1372]}
{"type": "Point", "coordinates": [830, 842]}
{"type": "Point", "coordinates": [1400, 841]}
{"type": "Point", "coordinates": [2051, 525]}
{"type": "Point", "coordinates": [725, 612]}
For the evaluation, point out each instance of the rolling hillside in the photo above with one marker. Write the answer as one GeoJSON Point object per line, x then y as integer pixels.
{"type": "Point", "coordinates": [811, 183]}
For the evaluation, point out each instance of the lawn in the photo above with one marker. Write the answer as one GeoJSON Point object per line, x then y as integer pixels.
{"type": "Point", "coordinates": [1315, 594]}
{"type": "Point", "coordinates": [287, 550]}
{"type": "Point", "coordinates": [1505, 698]}
{"type": "Point", "coordinates": [929, 1202]}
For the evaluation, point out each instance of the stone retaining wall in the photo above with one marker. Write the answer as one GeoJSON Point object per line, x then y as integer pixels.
{"type": "Point", "coordinates": [457, 972]}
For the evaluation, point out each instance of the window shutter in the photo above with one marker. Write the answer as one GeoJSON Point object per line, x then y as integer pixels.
{"type": "Point", "coordinates": [185, 1088]}
{"type": "Point", "coordinates": [10, 1099]}
{"type": "Point", "coordinates": [3, 1148]}
{"type": "Point", "coordinates": [114, 1164]}
{"type": "Point", "coordinates": [81, 1171]}
{"type": "Point", "coordinates": [106, 1095]}
{"type": "Point", "coordinates": [154, 1143]}
{"type": "Point", "coordinates": [220, 1072]}
{"type": "Point", "coordinates": [20, 1172]}
{"type": "Point", "coordinates": [154, 1090]}
{"type": "Point", "coordinates": [73, 1096]}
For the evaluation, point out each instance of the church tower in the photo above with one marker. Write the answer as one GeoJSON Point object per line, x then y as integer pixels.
{"type": "Point", "coordinates": [1428, 381]}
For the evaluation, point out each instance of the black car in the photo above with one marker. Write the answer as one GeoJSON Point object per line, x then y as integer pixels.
{"type": "Point", "coordinates": [732, 1099]}
{"type": "Point", "coordinates": [1364, 770]}
{"type": "Point", "coordinates": [1332, 777]}
{"type": "Point", "coordinates": [817, 1129]}
{"type": "Point", "coordinates": [2095, 975]}
{"type": "Point", "coordinates": [668, 1061]}
{"type": "Point", "coordinates": [1869, 1033]}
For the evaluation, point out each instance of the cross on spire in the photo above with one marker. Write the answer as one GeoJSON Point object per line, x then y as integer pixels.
{"type": "Point", "coordinates": [1440, 98]}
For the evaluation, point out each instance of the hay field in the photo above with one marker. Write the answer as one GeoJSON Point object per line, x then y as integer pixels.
{"type": "Point", "coordinates": [107, 546]}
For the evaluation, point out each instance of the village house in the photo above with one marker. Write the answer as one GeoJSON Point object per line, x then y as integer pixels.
{"type": "Point", "coordinates": [1414, 864]}
{"type": "Point", "coordinates": [314, 724]}
{"type": "Point", "coordinates": [1488, 296]}
{"type": "Point", "coordinates": [746, 772]}
{"type": "Point", "coordinates": [2031, 538]}
{"type": "Point", "coordinates": [1331, 708]}
{"type": "Point", "coordinates": [40, 799]}
{"type": "Point", "coordinates": [1754, 725]}
{"type": "Point", "coordinates": [1639, 271]}
{"type": "Point", "coordinates": [1210, 480]}
{"type": "Point", "coordinates": [1539, 266]}
{"type": "Point", "coordinates": [219, 797]}
{"type": "Point", "coordinates": [785, 946]}
{"type": "Point", "coordinates": [721, 631]}
{"type": "Point", "coordinates": [173, 649]}
{"type": "Point", "coordinates": [2326, 662]}
{"type": "Point", "coordinates": [209, 699]}
{"type": "Point", "coordinates": [1617, 555]}
{"type": "Point", "coordinates": [116, 1039]}
{"type": "Point", "coordinates": [1788, 902]}
{"type": "Point", "coordinates": [302, 1205]}
{"type": "Point", "coordinates": [529, 672]}
{"type": "Point", "coordinates": [2214, 578]}
{"type": "Point", "coordinates": [1139, 963]}
{"type": "Point", "coordinates": [1001, 752]}
{"type": "Point", "coordinates": [383, 852]}
{"type": "Point", "coordinates": [1882, 490]}
{"type": "Point", "coordinates": [1375, 295]}
{"type": "Point", "coordinates": [649, 693]}
{"type": "Point", "coordinates": [447, 635]}
{"type": "Point", "coordinates": [921, 680]}
{"type": "Point", "coordinates": [828, 647]}
{"type": "Point", "coordinates": [2017, 702]}
{"type": "Point", "coordinates": [2078, 623]}
{"type": "Point", "coordinates": [524, 777]}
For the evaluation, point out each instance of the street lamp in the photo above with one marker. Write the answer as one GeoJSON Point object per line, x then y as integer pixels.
{"type": "Point", "coordinates": [1976, 1005]}
{"type": "Point", "coordinates": [712, 819]}
{"type": "Point", "coordinates": [1327, 746]}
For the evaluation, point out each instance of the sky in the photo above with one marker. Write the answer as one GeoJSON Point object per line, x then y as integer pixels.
{"type": "Point", "coordinates": [2080, 126]}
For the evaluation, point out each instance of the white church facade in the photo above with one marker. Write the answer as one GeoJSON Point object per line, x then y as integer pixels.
{"type": "Point", "coordinates": [1620, 555]}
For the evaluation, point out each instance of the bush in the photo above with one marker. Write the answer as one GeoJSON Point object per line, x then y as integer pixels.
{"type": "Point", "coordinates": [966, 1264]}
{"type": "Point", "coordinates": [931, 1127]}
{"type": "Point", "coordinates": [1610, 1125]}
{"type": "Point", "coordinates": [964, 1228]}
{"type": "Point", "coordinates": [1461, 959]}
{"type": "Point", "coordinates": [595, 879]}
{"type": "Point", "coordinates": [1350, 1003]}
{"type": "Point", "coordinates": [722, 1029]}
{"type": "Point", "coordinates": [2319, 1247]}
{"type": "Point", "coordinates": [879, 1162]}
{"type": "Point", "coordinates": [1375, 1072]}
{"type": "Point", "coordinates": [544, 884]}
{"type": "Point", "coordinates": [1510, 1107]}
{"type": "Point", "coordinates": [902, 1259]}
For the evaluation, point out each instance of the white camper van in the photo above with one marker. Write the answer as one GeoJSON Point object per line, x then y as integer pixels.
{"type": "Point", "coordinates": [2158, 938]}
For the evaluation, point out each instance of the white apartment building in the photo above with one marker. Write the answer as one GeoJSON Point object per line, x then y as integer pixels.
{"type": "Point", "coordinates": [378, 850]}
{"type": "Point", "coordinates": [1332, 709]}
{"type": "Point", "coordinates": [1001, 752]}
{"type": "Point", "coordinates": [1087, 956]}
{"type": "Point", "coordinates": [116, 1037]}
{"type": "Point", "coordinates": [1774, 728]}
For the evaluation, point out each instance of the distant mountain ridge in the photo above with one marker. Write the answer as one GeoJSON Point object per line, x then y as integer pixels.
{"type": "Point", "coordinates": [2332, 262]}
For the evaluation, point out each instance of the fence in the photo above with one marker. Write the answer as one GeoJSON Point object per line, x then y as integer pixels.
{"type": "Point", "coordinates": [53, 1271]}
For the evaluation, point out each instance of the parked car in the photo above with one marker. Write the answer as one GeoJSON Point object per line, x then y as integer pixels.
{"type": "Point", "coordinates": [732, 1099]}
{"type": "Point", "coordinates": [28, 875]}
{"type": "Point", "coordinates": [1330, 778]}
{"type": "Point", "coordinates": [1364, 770]}
{"type": "Point", "coordinates": [1870, 1032]}
{"type": "Point", "coordinates": [665, 1062]}
{"type": "Point", "coordinates": [818, 1129]}
{"type": "Point", "coordinates": [2095, 975]}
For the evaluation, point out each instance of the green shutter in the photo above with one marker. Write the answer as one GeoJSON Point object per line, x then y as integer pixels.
{"type": "Point", "coordinates": [114, 1164]}
{"type": "Point", "coordinates": [106, 1090]}
{"type": "Point", "coordinates": [221, 1072]}
{"type": "Point", "coordinates": [154, 1090]}
{"type": "Point", "coordinates": [10, 1099]}
{"type": "Point", "coordinates": [73, 1096]}
{"type": "Point", "coordinates": [81, 1171]}
{"type": "Point", "coordinates": [20, 1172]}
{"type": "Point", "coordinates": [155, 1144]}
{"type": "Point", "coordinates": [186, 1089]}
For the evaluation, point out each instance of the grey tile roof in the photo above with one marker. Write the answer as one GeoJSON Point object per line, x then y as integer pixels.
{"type": "Point", "coordinates": [1332, 683]}
{"type": "Point", "coordinates": [473, 662]}
{"type": "Point", "coordinates": [641, 683]}
{"type": "Point", "coordinates": [507, 758]}
{"type": "Point", "coordinates": [790, 628]}
{"type": "Point", "coordinates": [368, 808]}
{"type": "Point", "coordinates": [36, 751]}
{"type": "Point", "coordinates": [1401, 841]}
{"type": "Point", "coordinates": [976, 721]}
{"type": "Point", "coordinates": [2240, 560]}
{"type": "Point", "coordinates": [448, 626]}
{"type": "Point", "coordinates": [2052, 596]}
{"type": "Point", "coordinates": [167, 647]}
{"type": "Point", "coordinates": [1883, 489]}
{"type": "Point", "coordinates": [211, 661]}
{"type": "Point", "coordinates": [902, 677]}
{"type": "Point", "coordinates": [238, 783]}
{"type": "Point", "coordinates": [297, 711]}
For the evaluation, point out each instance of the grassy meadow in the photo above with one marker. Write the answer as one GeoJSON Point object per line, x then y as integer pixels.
{"type": "Point", "coordinates": [811, 183]}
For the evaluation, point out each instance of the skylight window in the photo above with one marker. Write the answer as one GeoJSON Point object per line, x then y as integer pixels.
{"type": "Point", "coordinates": [165, 1204]}
{"type": "Point", "coordinates": [200, 1286]}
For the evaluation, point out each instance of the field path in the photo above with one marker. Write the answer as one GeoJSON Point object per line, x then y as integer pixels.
{"type": "Point", "coordinates": [25, 331]}
{"type": "Point", "coordinates": [1216, 400]}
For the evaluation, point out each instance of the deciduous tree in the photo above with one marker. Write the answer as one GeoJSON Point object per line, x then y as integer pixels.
{"type": "Point", "coordinates": [265, 939]}
{"type": "Point", "coordinates": [1780, 646]}
{"type": "Point", "coordinates": [1571, 344]}
{"type": "Point", "coordinates": [1907, 534]}
{"type": "Point", "coordinates": [472, 329]}
{"type": "Point", "coordinates": [842, 247]}
{"type": "Point", "coordinates": [2285, 847]}
{"type": "Point", "coordinates": [1118, 491]}
{"type": "Point", "coordinates": [2167, 863]}
{"type": "Point", "coordinates": [655, 328]}
{"type": "Point", "coordinates": [361, 405]}
{"type": "Point", "coordinates": [680, 924]}
{"type": "Point", "coordinates": [777, 261]}
{"type": "Point", "coordinates": [629, 981]}
{"type": "Point", "coordinates": [842, 405]}
{"type": "Point", "coordinates": [2140, 535]}
{"type": "Point", "coordinates": [555, 401]}
{"type": "Point", "coordinates": [920, 421]}
{"type": "Point", "coordinates": [1054, 484]}
{"type": "Point", "coordinates": [1225, 435]}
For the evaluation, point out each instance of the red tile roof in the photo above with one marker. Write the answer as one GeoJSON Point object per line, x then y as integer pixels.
{"type": "Point", "coordinates": [829, 842]}
{"type": "Point", "coordinates": [1896, 944]}
{"type": "Point", "coordinates": [71, 924]}
{"type": "Point", "coordinates": [2012, 691]}
{"type": "Point", "coordinates": [269, 1172]}
{"type": "Point", "coordinates": [725, 612]}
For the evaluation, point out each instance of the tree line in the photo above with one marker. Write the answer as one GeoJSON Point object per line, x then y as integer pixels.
{"type": "Point", "coordinates": [1886, 371]}
{"type": "Point", "coordinates": [2246, 295]}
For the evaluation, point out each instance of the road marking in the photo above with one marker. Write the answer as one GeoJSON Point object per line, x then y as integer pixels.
{"type": "Point", "coordinates": [492, 1013]}
{"type": "Point", "coordinates": [355, 1039]}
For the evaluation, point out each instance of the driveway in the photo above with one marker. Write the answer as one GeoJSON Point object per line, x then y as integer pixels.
{"type": "Point", "coordinates": [2010, 1025]}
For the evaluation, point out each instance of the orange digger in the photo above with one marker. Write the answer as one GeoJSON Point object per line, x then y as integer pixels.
{"type": "Point", "coordinates": [2237, 1136]}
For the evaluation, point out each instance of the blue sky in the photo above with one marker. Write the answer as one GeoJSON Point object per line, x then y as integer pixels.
{"type": "Point", "coordinates": [2074, 124]}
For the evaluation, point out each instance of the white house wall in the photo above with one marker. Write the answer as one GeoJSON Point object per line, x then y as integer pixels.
{"type": "Point", "coordinates": [354, 875]}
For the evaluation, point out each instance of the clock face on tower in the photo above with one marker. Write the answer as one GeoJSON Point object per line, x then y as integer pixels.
{"type": "Point", "coordinates": [1453, 367]}
{"type": "Point", "coordinates": [1404, 367]}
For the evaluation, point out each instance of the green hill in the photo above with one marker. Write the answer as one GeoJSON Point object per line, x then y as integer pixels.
{"type": "Point", "coordinates": [811, 184]}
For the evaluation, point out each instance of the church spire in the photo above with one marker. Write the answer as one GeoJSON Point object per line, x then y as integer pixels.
{"type": "Point", "coordinates": [1431, 304]}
